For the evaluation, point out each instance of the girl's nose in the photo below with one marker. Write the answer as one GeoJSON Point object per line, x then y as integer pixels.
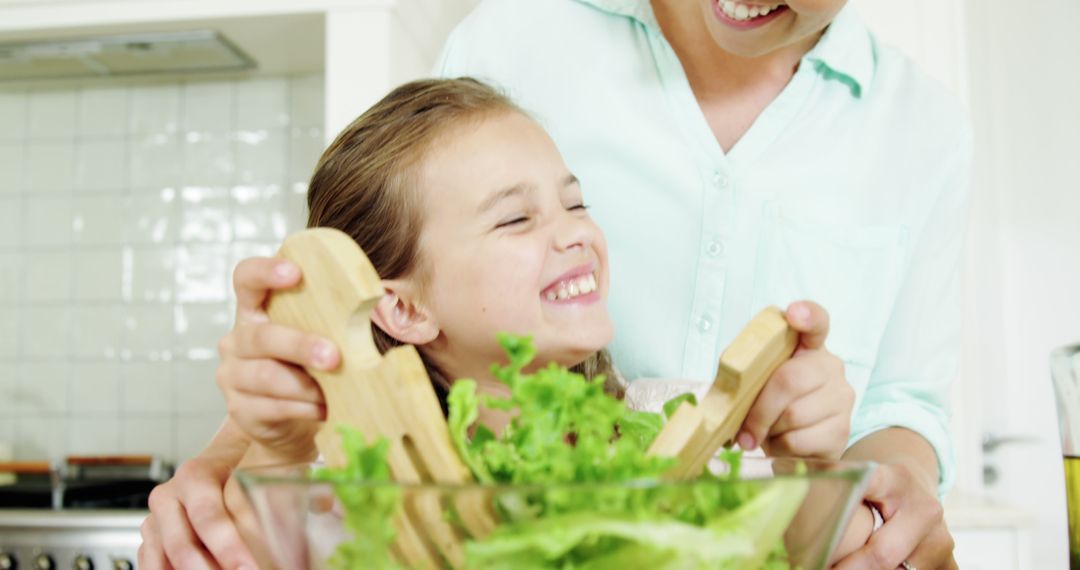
{"type": "Point", "coordinates": [574, 232]}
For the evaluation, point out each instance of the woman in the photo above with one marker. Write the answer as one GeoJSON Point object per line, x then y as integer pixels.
{"type": "Point", "coordinates": [739, 154]}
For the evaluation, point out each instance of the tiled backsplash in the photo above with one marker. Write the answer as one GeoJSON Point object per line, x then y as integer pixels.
{"type": "Point", "coordinates": [123, 211]}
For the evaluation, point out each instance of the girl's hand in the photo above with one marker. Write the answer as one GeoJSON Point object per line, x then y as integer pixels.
{"type": "Point", "coordinates": [805, 408]}
{"type": "Point", "coordinates": [269, 395]}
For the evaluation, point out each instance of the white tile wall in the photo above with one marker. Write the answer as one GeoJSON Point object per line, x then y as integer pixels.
{"type": "Point", "coordinates": [123, 210]}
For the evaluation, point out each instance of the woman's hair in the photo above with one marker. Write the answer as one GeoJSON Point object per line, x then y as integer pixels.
{"type": "Point", "coordinates": [365, 183]}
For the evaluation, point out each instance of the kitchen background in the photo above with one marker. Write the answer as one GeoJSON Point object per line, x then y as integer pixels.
{"type": "Point", "coordinates": [125, 203]}
{"type": "Point", "coordinates": [122, 212]}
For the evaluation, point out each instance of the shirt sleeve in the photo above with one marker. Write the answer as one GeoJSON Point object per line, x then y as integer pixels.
{"type": "Point", "coordinates": [920, 350]}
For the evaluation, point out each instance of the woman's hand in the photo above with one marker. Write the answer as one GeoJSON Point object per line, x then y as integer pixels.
{"type": "Point", "coordinates": [904, 489]}
{"type": "Point", "coordinates": [269, 395]}
{"type": "Point", "coordinates": [189, 525]}
{"type": "Point", "coordinates": [914, 529]}
{"type": "Point", "coordinates": [805, 408]}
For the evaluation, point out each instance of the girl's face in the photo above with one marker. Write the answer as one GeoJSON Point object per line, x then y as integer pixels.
{"type": "Point", "coordinates": [754, 28]}
{"type": "Point", "coordinates": [507, 245]}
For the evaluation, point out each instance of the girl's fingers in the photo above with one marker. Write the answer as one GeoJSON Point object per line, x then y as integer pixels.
{"type": "Point", "coordinates": [832, 399]}
{"type": "Point", "coordinates": [280, 342]}
{"type": "Point", "coordinates": [812, 322]}
{"type": "Point", "coordinates": [254, 278]}
{"type": "Point", "coordinates": [824, 439]}
{"type": "Point", "coordinates": [790, 381]}
{"type": "Point", "coordinates": [269, 378]}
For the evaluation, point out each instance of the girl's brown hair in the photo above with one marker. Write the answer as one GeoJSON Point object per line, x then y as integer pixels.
{"type": "Point", "coordinates": [365, 183]}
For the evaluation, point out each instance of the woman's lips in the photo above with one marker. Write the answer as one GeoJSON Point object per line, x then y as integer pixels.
{"type": "Point", "coordinates": [740, 18]}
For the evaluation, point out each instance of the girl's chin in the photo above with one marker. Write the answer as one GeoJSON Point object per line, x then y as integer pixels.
{"type": "Point", "coordinates": [572, 355]}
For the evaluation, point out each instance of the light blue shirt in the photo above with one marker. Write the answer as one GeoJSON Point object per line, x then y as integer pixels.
{"type": "Point", "coordinates": [849, 190]}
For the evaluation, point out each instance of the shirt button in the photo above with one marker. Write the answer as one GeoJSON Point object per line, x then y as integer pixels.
{"type": "Point", "coordinates": [704, 324]}
{"type": "Point", "coordinates": [721, 180]}
{"type": "Point", "coordinates": [714, 248]}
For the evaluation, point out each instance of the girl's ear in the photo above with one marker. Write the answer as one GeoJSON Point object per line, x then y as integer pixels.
{"type": "Point", "coordinates": [400, 315]}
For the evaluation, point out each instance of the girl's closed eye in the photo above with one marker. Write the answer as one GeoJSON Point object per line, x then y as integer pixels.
{"type": "Point", "coordinates": [579, 207]}
{"type": "Point", "coordinates": [511, 221]}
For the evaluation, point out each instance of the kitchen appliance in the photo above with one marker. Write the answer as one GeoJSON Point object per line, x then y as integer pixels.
{"type": "Point", "coordinates": [1065, 367]}
{"type": "Point", "coordinates": [82, 513]}
{"type": "Point", "coordinates": [121, 55]}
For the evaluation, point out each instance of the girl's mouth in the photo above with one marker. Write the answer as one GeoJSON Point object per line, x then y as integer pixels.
{"type": "Point", "coordinates": [577, 287]}
{"type": "Point", "coordinates": [746, 16]}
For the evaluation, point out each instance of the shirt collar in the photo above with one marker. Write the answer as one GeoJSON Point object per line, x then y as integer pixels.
{"type": "Point", "coordinates": [844, 53]}
{"type": "Point", "coordinates": [639, 10]}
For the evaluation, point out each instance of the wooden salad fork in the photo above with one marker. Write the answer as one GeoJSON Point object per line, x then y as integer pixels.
{"type": "Point", "coordinates": [381, 395]}
{"type": "Point", "coordinates": [694, 434]}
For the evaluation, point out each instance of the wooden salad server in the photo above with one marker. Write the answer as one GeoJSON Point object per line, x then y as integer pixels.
{"type": "Point", "coordinates": [694, 434]}
{"type": "Point", "coordinates": [387, 395]}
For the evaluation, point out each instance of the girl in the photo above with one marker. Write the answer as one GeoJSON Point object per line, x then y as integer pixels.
{"type": "Point", "coordinates": [467, 212]}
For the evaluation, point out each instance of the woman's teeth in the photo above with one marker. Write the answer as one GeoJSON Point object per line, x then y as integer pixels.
{"type": "Point", "coordinates": [743, 12]}
{"type": "Point", "coordinates": [572, 288]}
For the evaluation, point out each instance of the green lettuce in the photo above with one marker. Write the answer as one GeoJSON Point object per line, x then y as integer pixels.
{"type": "Point", "coordinates": [574, 486]}
{"type": "Point", "coordinates": [369, 509]}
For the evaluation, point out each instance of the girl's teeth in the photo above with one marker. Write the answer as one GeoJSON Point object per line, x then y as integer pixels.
{"type": "Point", "coordinates": [754, 12]}
{"type": "Point", "coordinates": [581, 286]}
{"type": "Point", "coordinates": [742, 12]}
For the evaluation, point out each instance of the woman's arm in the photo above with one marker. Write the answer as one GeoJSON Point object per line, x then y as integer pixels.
{"type": "Point", "coordinates": [902, 421]}
{"type": "Point", "coordinates": [898, 446]}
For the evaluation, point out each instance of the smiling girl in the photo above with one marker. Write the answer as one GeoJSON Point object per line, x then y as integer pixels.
{"type": "Point", "coordinates": [468, 213]}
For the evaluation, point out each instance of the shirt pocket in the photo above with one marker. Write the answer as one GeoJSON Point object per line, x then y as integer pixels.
{"type": "Point", "coordinates": [853, 271]}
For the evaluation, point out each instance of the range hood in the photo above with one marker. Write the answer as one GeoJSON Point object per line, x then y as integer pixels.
{"type": "Point", "coordinates": [121, 55]}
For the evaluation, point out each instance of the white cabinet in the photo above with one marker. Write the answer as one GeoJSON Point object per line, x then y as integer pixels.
{"type": "Point", "coordinates": [992, 549]}
{"type": "Point", "coordinates": [362, 47]}
{"type": "Point", "coordinates": [989, 537]}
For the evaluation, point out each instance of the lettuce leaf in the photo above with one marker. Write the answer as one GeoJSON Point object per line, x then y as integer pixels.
{"type": "Point", "coordinates": [574, 485]}
{"type": "Point", "coordinates": [369, 510]}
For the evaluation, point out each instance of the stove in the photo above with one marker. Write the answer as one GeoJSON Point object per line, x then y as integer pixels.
{"type": "Point", "coordinates": [73, 539]}
{"type": "Point", "coordinates": [81, 514]}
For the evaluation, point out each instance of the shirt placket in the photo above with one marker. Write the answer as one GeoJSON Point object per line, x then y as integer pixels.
{"type": "Point", "coordinates": [717, 222]}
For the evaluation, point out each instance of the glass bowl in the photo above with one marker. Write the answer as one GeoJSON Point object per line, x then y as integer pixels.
{"type": "Point", "coordinates": [779, 513]}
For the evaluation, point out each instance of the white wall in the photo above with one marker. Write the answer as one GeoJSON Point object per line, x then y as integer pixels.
{"type": "Point", "coordinates": [1025, 95]}
{"type": "Point", "coordinates": [123, 209]}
